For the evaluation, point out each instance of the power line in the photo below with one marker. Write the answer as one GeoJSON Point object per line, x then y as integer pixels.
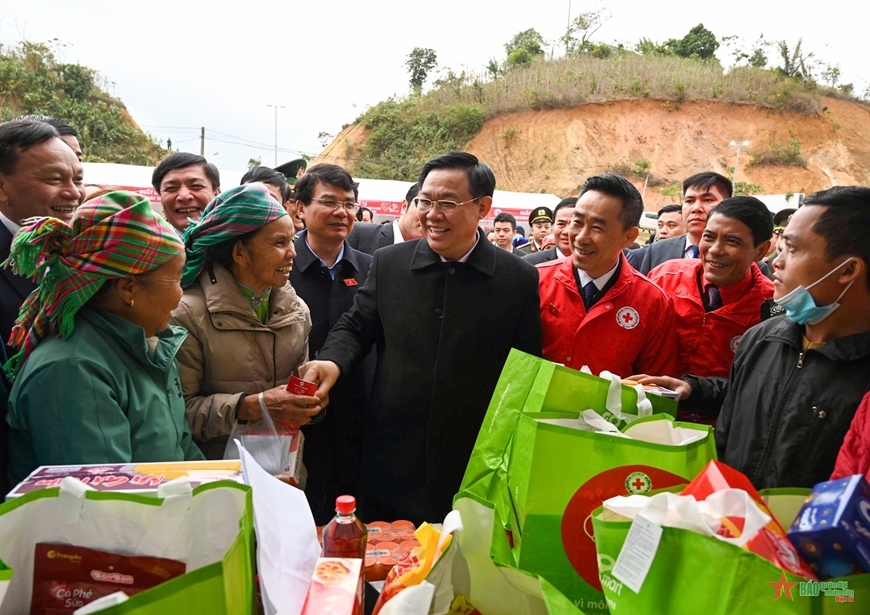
{"type": "Point", "coordinates": [170, 127]}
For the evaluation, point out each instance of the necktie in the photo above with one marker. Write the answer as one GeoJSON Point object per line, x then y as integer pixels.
{"type": "Point", "coordinates": [695, 251]}
{"type": "Point", "coordinates": [714, 299]}
{"type": "Point", "coordinates": [589, 292]}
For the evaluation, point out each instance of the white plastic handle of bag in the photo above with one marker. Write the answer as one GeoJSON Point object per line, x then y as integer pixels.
{"type": "Point", "coordinates": [680, 511]}
{"type": "Point", "coordinates": [452, 523]}
{"type": "Point", "coordinates": [614, 399]}
{"type": "Point", "coordinates": [599, 424]}
{"type": "Point", "coordinates": [167, 521]}
{"type": "Point", "coordinates": [154, 541]}
{"type": "Point", "coordinates": [71, 499]}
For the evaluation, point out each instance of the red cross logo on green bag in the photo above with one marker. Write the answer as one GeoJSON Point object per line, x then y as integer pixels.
{"type": "Point", "coordinates": [638, 482]}
{"type": "Point", "coordinates": [577, 520]}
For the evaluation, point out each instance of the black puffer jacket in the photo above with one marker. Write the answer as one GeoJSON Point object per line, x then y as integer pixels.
{"type": "Point", "coordinates": [787, 411]}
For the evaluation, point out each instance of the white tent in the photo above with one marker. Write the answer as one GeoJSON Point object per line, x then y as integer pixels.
{"type": "Point", "coordinates": [382, 196]}
{"type": "Point", "coordinates": [138, 179]}
{"type": "Point", "coordinates": [385, 196]}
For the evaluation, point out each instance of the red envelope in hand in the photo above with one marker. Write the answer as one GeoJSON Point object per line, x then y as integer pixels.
{"type": "Point", "coordinates": [298, 386]}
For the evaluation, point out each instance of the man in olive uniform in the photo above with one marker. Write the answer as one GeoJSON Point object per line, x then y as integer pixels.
{"type": "Point", "coordinates": [541, 224]}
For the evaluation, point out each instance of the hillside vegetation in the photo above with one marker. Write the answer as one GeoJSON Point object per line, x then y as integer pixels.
{"type": "Point", "coordinates": [401, 133]}
{"type": "Point", "coordinates": [34, 81]}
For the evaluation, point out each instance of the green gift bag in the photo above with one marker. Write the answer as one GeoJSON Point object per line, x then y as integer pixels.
{"type": "Point", "coordinates": [5, 578]}
{"type": "Point", "coordinates": [210, 528]}
{"type": "Point", "coordinates": [531, 472]}
{"type": "Point", "coordinates": [692, 573]}
{"type": "Point", "coordinates": [467, 568]}
{"type": "Point", "coordinates": [531, 384]}
{"type": "Point", "coordinates": [558, 475]}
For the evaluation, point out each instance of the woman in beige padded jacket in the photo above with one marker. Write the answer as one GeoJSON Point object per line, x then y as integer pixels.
{"type": "Point", "coordinates": [248, 328]}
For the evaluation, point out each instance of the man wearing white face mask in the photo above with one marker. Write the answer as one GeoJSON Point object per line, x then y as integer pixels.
{"type": "Point", "coordinates": [797, 379]}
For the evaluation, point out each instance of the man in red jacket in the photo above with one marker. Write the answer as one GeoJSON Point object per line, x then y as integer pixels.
{"type": "Point", "coordinates": [596, 310]}
{"type": "Point", "coordinates": [719, 296]}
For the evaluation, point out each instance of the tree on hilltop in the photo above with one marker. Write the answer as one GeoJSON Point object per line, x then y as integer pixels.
{"type": "Point", "coordinates": [419, 62]}
{"type": "Point", "coordinates": [699, 42]}
{"type": "Point", "coordinates": [578, 37]}
{"type": "Point", "coordinates": [524, 47]}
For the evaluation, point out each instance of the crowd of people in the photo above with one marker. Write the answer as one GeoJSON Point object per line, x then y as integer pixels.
{"type": "Point", "coordinates": [135, 336]}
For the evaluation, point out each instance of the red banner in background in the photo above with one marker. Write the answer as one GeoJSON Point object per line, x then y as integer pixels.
{"type": "Point", "coordinates": [522, 215]}
{"type": "Point", "coordinates": [148, 192]}
{"type": "Point", "coordinates": [384, 208]}
{"type": "Point", "coordinates": [394, 208]}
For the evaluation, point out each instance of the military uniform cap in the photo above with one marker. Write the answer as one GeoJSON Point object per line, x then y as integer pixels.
{"type": "Point", "coordinates": [541, 214]}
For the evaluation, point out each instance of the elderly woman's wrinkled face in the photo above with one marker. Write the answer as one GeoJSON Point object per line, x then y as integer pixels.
{"type": "Point", "coordinates": [156, 294]}
{"type": "Point", "coordinates": [267, 258]}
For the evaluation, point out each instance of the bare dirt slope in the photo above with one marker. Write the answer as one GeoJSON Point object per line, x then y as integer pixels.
{"type": "Point", "coordinates": [555, 150]}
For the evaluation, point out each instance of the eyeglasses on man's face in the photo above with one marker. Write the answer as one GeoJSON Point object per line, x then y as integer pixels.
{"type": "Point", "coordinates": [446, 207]}
{"type": "Point", "coordinates": [349, 206]}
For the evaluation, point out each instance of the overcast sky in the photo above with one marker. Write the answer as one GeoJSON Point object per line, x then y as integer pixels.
{"type": "Point", "coordinates": [184, 64]}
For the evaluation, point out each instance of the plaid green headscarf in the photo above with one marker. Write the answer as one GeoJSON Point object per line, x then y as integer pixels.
{"type": "Point", "coordinates": [112, 236]}
{"type": "Point", "coordinates": [232, 213]}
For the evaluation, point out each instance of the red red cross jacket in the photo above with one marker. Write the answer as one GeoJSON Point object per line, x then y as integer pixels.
{"type": "Point", "coordinates": [707, 340]}
{"type": "Point", "coordinates": [854, 457]}
{"type": "Point", "coordinates": [630, 330]}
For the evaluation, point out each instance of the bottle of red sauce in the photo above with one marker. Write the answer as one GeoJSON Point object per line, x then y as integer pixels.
{"type": "Point", "coordinates": [345, 535]}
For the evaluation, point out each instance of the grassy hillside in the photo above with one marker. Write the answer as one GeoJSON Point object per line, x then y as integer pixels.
{"type": "Point", "coordinates": [33, 81]}
{"type": "Point", "coordinates": [406, 132]}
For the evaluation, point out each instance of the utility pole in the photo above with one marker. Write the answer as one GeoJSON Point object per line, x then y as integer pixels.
{"type": "Point", "coordinates": [276, 129]}
{"type": "Point", "coordinates": [738, 145]}
{"type": "Point", "coordinates": [202, 142]}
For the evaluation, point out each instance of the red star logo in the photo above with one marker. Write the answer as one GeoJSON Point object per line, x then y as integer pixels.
{"type": "Point", "coordinates": [782, 587]}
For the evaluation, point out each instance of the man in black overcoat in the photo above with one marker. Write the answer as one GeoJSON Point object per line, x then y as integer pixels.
{"type": "Point", "coordinates": [444, 312]}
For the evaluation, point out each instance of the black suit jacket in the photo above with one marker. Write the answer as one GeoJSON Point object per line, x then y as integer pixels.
{"type": "Point", "coordinates": [13, 291]}
{"type": "Point", "coordinates": [443, 332]}
{"type": "Point", "coordinates": [542, 256]}
{"type": "Point", "coordinates": [367, 237]}
{"type": "Point", "coordinates": [648, 258]}
{"type": "Point", "coordinates": [333, 447]}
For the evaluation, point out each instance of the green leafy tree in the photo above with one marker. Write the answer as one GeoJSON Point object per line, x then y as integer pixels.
{"type": "Point", "coordinates": [747, 189]}
{"type": "Point", "coordinates": [254, 162]}
{"type": "Point", "coordinates": [530, 40]}
{"type": "Point", "coordinates": [419, 62]}
{"type": "Point", "coordinates": [524, 47]}
{"type": "Point", "coordinates": [578, 37]}
{"type": "Point", "coordinates": [794, 62]}
{"type": "Point", "coordinates": [754, 54]}
{"type": "Point", "coordinates": [699, 42]}
{"type": "Point", "coordinates": [33, 81]}
{"type": "Point", "coordinates": [649, 47]}
{"type": "Point", "coordinates": [325, 138]}
{"type": "Point", "coordinates": [77, 81]}
{"type": "Point", "coordinates": [493, 68]}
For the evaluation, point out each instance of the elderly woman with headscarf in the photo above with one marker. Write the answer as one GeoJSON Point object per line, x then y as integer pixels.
{"type": "Point", "coordinates": [248, 328]}
{"type": "Point", "coordinates": [96, 379]}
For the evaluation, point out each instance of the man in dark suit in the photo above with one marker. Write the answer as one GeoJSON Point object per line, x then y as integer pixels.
{"type": "Point", "coordinates": [40, 175]}
{"type": "Point", "coordinates": [367, 237]}
{"type": "Point", "coordinates": [327, 273]}
{"type": "Point", "coordinates": [701, 193]}
{"type": "Point", "coordinates": [562, 250]}
{"type": "Point", "coordinates": [444, 313]}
